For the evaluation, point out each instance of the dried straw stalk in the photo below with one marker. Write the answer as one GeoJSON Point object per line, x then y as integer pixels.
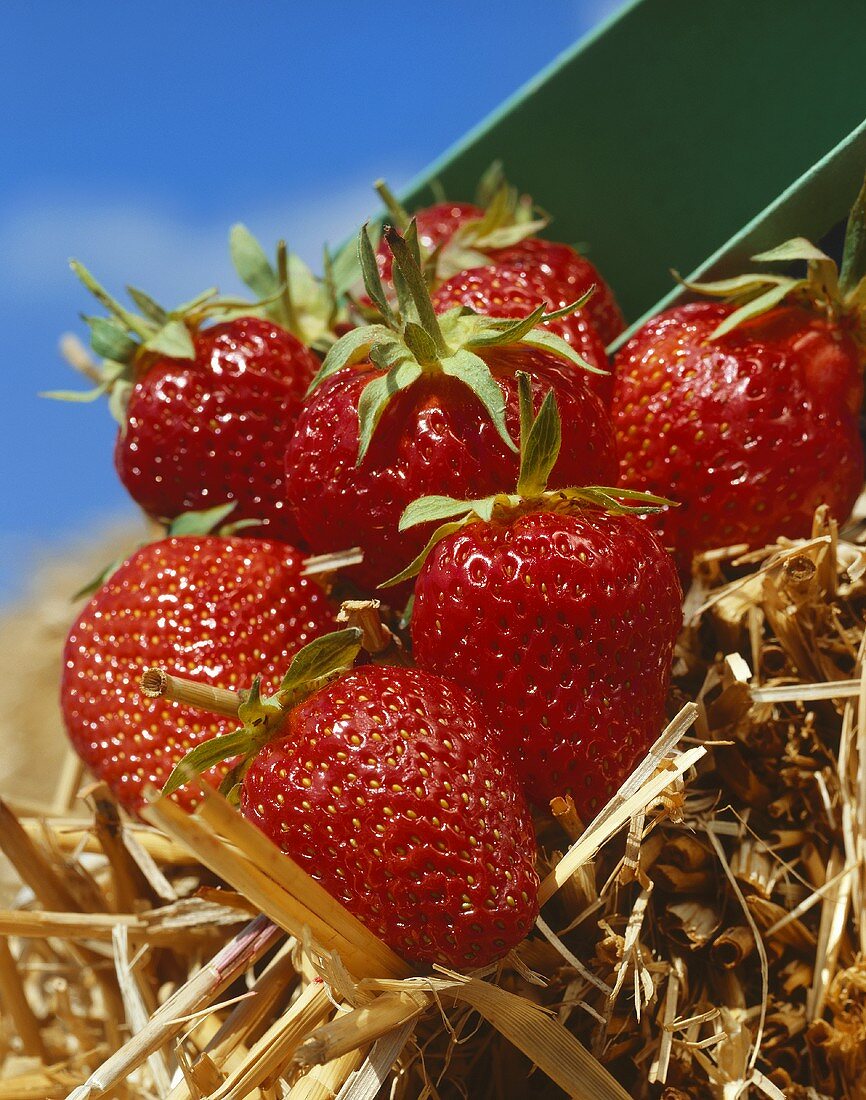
{"type": "Point", "coordinates": [703, 937]}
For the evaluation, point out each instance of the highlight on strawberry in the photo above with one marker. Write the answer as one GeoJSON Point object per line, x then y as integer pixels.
{"type": "Point", "coordinates": [422, 402]}
{"type": "Point", "coordinates": [385, 784]}
{"type": "Point", "coordinates": [558, 609]}
{"type": "Point", "coordinates": [746, 410]}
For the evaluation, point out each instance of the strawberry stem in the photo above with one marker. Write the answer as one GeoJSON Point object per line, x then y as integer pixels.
{"type": "Point", "coordinates": [134, 323]}
{"type": "Point", "coordinates": [417, 287]}
{"type": "Point", "coordinates": [399, 214]}
{"type": "Point", "coordinates": [288, 305]}
{"type": "Point", "coordinates": [156, 683]}
{"type": "Point", "coordinates": [364, 614]}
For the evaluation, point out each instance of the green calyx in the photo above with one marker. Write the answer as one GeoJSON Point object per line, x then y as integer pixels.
{"type": "Point", "coordinates": [839, 294]}
{"type": "Point", "coordinates": [123, 338]}
{"type": "Point", "coordinates": [411, 340]}
{"type": "Point", "coordinates": [289, 293]}
{"type": "Point", "coordinates": [262, 718]}
{"type": "Point", "coordinates": [540, 441]}
{"type": "Point", "coordinates": [508, 218]}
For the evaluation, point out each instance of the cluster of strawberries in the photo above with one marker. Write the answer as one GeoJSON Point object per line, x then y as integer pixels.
{"type": "Point", "coordinates": [458, 420]}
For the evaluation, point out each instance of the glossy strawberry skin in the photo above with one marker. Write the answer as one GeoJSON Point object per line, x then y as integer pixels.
{"type": "Point", "coordinates": [386, 789]}
{"type": "Point", "coordinates": [562, 626]}
{"type": "Point", "coordinates": [749, 433]}
{"type": "Point", "coordinates": [436, 225]}
{"type": "Point", "coordinates": [561, 266]}
{"type": "Point", "coordinates": [434, 438]}
{"type": "Point", "coordinates": [502, 291]}
{"type": "Point", "coordinates": [213, 609]}
{"type": "Point", "coordinates": [204, 432]}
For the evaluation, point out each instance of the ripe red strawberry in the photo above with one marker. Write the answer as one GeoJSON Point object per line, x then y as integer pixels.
{"type": "Point", "coordinates": [221, 609]}
{"type": "Point", "coordinates": [385, 786]}
{"type": "Point", "coordinates": [436, 224]}
{"type": "Point", "coordinates": [500, 230]}
{"type": "Point", "coordinates": [747, 414]}
{"type": "Point", "coordinates": [560, 617]}
{"type": "Point", "coordinates": [205, 412]}
{"type": "Point", "coordinates": [438, 406]}
{"type": "Point", "coordinates": [561, 266]}
{"type": "Point", "coordinates": [500, 290]}
{"type": "Point", "coordinates": [216, 428]}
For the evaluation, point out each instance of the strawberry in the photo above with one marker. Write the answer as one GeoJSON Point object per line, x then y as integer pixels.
{"type": "Point", "coordinates": [436, 224]}
{"type": "Point", "coordinates": [558, 611]}
{"type": "Point", "coordinates": [207, 606]}
{"type": "Point", "coordinates": [501, 231]}
{"type": "Point", "coordinates": [746, 411]}
{"type": "Point", "coordinates": [436, 405]}
{"type": "Point", "coordinates": [205, 412]}
{"type": "Point", "coordinates": [500, 290]}
{"type": "Point", "coordinates": [563, 267]}
{"type": "Point", "coordinates": [383, 783]}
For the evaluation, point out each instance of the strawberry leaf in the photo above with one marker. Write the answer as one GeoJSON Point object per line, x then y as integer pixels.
{"type": "Point", "coordinates": [196, 303]}
{"type": "Point", "coordinates": [431, 509]}
{"type": "Point", "coordinates": [372, 278]}
{"type": "Point", "coordinates": [405, 304]}
{"type": "Point", "coordinates": [390, 354]}
{"type": "Point", "coordinates": [95, 583]}
{"type": "Point", "coordinates": [414, 567]}
{"type": "Point", "coordinates": [540, 449]}
{"type": "Point", "coordinates": [135, 324]}
{"type": "Point", "coordinates": [258, 713]}
{"type": "Point", "coordinates": [731, 288]}
{"type": "Point", "coordinates": [354, 347]}
{"type": "Point", "coordinates": [322, 658]}
{"type": "Point", "coordinates": [508, 334]}
{"type": "Point", "coordinates": [419, 343]}
{"type": "Point", "coordinates": [453, 260]}
{"type": "Point", "coordinates": [345, 269]}
{"type": "Point", "coordinates": [508, 235]}
{"type": "Point", "coordinates": [854, 252]}
{"type": "Point", "coordinates": [119, 393]}
{"type": "Point", "coordinates": [411, 272]}
{"type": "Point", "coordinates": [80, 396]}
{"type": "Point", "coordinates": [762, 304]}
{"type": "Point", "coordinates": [613, 499]}
{"type": "Point", "coordinates": [151, 309]}
{"type": "Point", "coordinates": [474, 372]}
{"type": "Point", "coordinates": [798, 248]}
{"type": "Point", "coordinates": [492, 179]}
{"type": "Point", "coordinates": [202, 522]}
{"type": "Point", "coordinates": [579, 303]}
{"type": "Point", "coordinates": [207, 754]}
{"type": "Point", "coordinates": [110, 340]}
{"type": "Point", "coordinates": [545, 340]}
{"type": "Point", "coordinates": [251, 262]}
{"type": "Point", "coordinates": [375, 397]}
{"type": "Point", "coordinates": [173, 339]}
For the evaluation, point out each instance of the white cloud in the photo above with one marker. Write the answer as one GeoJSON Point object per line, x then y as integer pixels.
{"type": "Point", "coordinates": [145, 243]}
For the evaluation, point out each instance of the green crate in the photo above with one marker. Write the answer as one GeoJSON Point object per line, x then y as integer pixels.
{"type": "Point", "coordinates": [684, 134]}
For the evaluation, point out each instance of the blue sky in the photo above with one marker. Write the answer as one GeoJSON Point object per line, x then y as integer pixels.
{"type": "Point", "coordinates": [134, 134]}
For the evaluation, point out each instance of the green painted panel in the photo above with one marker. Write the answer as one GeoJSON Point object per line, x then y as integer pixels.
{"type": "Point", "coordinates": [657, 139]}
